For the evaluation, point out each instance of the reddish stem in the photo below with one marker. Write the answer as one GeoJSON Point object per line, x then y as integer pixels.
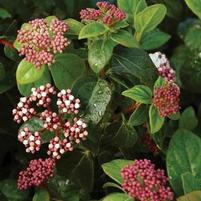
{"type": "Point", "coordinates": [6, 43]}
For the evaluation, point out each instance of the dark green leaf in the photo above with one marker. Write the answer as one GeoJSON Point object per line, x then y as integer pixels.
{"type": "Point", "coordinates": [66, 69]}
{"type": "Point", "coordinates": [9, 189]}
{"type": "Point", "coordinates": [188, 119]}
{"type": "Point", "coordinates": [156, 122]}
{"type": "Point", "coordinates": [139, 116]}
{"type": "Point", "coordinates": [2, 72]}
{"type": "Point", "coordinates": [4, 14]}
{"type": "Point", "coordinates": [139, 93]}
{"type": "Point", "coordinates": [98, 101]}
{"type": "Point", "coordinates": [126, 135]}
{"type": "Point", "coordinates": [183, 156]}
{"type": "Point", "coordinates": [33, 124]}
{"type": "Point", "coordinates": [78, 166]}
{"type": "Point", "coordinates": [113, 169]}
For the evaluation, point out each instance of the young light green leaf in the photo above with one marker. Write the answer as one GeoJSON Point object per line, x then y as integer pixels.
{"type": "Point", "coordinates": [113, 169]}
{"type": "Point", "coordinates": [91, 30]}
{"type": "Point", "coordinates": [194, 196]}
{"type": "Point", "coordinates": [154, 39]}
{"type": "Point", "coordinates": [124, 38]}
{"type": "Point", "coordinates": [28, 73]}
{"type": "Point", "coordinates": [149, 18]}
{"type": "Point", "coordinates": [194, 5]}
{"type": "Point", "coordinates": [74, 26]}
{"type": "Point", "coordinates": [41, 195]}
{"type": "Point", "coordinates": [99, 54]}
{"type": "Point", "coordinates": [118, 197]}
{"type": "Point", "coordinates": [139, 93]}
{"type": "Point", "coordinates": [156, 122]}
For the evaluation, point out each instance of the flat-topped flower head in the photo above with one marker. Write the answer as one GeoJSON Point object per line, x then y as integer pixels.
{"type": "Point", "coordinates": [67, 127]}
{"type": "Point", "coordinates": [40, 40]}
{"type": "Point", "coordinates": [31, 140]}
{"type": "Point", "coordinates": [166, 99]}
{"type": "Point", "coordinates": [37, 173]}
{"type": "Point", "coordinates": [107, 13]}
{"type": "Point", "coordinates": [144, 182]}
{"type": "Point", "coordinates": [163, 66]}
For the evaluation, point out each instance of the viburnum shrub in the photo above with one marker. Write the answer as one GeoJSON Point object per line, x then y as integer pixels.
{"type": "Point", "coordinates": [100, 100]}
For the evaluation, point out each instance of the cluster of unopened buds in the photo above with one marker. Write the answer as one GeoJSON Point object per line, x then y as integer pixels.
{"type": "Point", "coordinates": [166, 99]}
{"type": "Point", "coordinates": [37, 173]}
{"type": "Point", "coordinates": [107, 13]}
{"type": "Point", "coordinates": [69, 130]}
{"type": "Point", "coordinates": [163, 66]}
{"type": "Point", "coordinates": [40, 40]}
{"type": "Point", "coordinates": [144, 182]}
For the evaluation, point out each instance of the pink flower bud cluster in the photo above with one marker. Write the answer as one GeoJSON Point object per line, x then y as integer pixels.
{"type": "Point", "coordinates": [37, 173]}
{"type": "Point", "coordinates": [67, 103]}
{"type": "Point", "coordinates": [163, 66]}
{"type": "Point", "coordinates": [149, 143]}
{"type": "Point", "coordinates": [23, 111]}
{"type": "Point", "coordinates": [107, 13]}
{"type": "Point", "coordinates": [69, 130]}
{"type": "Point", "coordinates": [32, 141]}
{"type": "Point", "coordinates": [144, 182]}
{"type": "Point", "coordinates": [166, 99]}
{"type": "Point", "coordinates": [43, 95]}
{"type": "Point", "coordinates": [40, 40]}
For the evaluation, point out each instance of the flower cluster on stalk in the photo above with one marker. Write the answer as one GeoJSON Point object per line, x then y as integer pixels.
{"type": "Point", "coordinates": [167, 96]}
{"type": "Point", "coordinates": [144, 182]}
{"type": "Point", "coordinates": [68, 128]}
{"type": "Point", "coordinates": [40, 40]}
{"type": "Point", "coordinates": [107, 13]}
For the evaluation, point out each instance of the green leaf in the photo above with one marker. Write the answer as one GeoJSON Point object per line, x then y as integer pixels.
{"type": "Point", "coordinates": [183, 156]}
{"type": "Point", "coordinates": [41, 195]}
{"type": "Point", "coordinates": [9, 189]}
{"type": "Point", "coordinates": [92, 29]}
{"type": "Point", "coordinates": [118, 197]}
{"type": "Point", "coordinates": [28, 73]}
{"type": "Point", "coordinates": [156, 122]}
{"type": "Point", "coordinates": [149, 18]}
{"type": "Point", "coordinates": [188, 119]}
{"type": "Point", "coordinates": [79, 167]}
{"type": "Point", "coordinates": [63, 189]}
{"type": "Point", "coordinates": [126, 135]}
{"type": "Point", "coordinates": [99, 55]}
{"type": "Point", "coordinates": [11, 53]}
{"type": "Point", "coordinates": [66, 69]}
{"type": "Point", "coordinates": [192, 38]}
{"type": "Point", "coordinates": [124, 38]}
{"type": "Point", "coordinates": [113, 169]}
{"type": "Point", "coordinates": [74, 26]}
{"type": "Point", "coordinates": [2, 72]}
{"type": "Point", "coordinates": [142, 4]}
{"type": "Point", "coordinates": [25, 89]}
{"type": "Point", "coordinates": [154, 39]}
{"type": "Point", "coordinates": [139, 116]}
{"type": "Point", "coordinates": [139, 93]}
{"type": "Point", "coordinates": [190, 183]}
{"type": "Point", "coordinates": [134, 63]}
{"type": "Point", "coordinates": [194, 5]}
{"type": "Point", "coordinates": [98, 101]}
{"type": "Point", "coordinates": [194, 196]}
{"type": "Point", "coordinates": [34, 124]}
{"type": "Point", "coordinates": [159, 82]}
{"type": "Point", "coordinates": [111, 184]}
{"type": "Point", "coordinates": [4, 14]}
